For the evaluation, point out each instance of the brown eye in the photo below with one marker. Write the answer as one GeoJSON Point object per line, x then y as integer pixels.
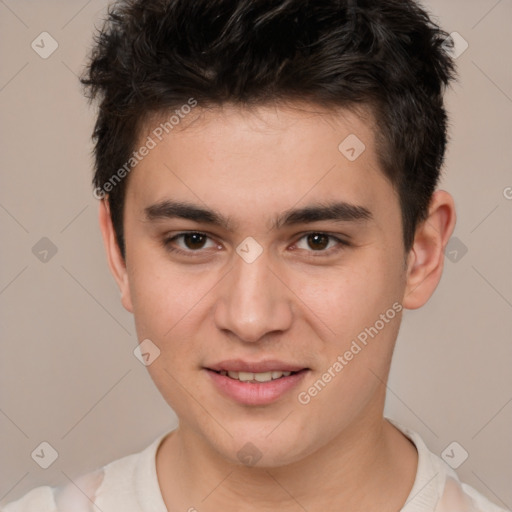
{"type": "Point", "coordinates": [194, 240]}
{"type": "Point", "coordinates": [318, 241]}
{"type": "Point", "coordinates": [188, 242]}
{"type": "Point", "coordinates": [321, 244]}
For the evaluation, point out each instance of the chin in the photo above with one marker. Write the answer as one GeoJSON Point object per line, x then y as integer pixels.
{"type": "Point", "coordinates": [266, 447]}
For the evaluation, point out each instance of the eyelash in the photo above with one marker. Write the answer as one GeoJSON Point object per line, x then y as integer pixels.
{"type": "Point", "coordinates": [167, 244]}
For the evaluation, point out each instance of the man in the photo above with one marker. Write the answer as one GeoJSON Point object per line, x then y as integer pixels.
{"type": "Point", "coordinates": [267, 175]}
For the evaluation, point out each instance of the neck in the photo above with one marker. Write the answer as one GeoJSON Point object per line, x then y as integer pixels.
{"type": "Point", "coordinates": [352, 472]}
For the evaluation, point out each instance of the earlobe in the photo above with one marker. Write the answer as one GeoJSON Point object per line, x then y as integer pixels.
{"type": "Point", "coordinates": [115, 259]}
{"type": "Point", "coordinates": [426, 258]}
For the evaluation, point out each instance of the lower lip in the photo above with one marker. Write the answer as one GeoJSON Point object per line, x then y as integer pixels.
{"type": "Point", "coordinates": [255, 393]}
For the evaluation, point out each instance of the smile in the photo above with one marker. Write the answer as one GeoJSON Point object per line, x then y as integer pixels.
{"type": "Point", "coordinates": [255, 388]}
{"type": "Point", "coordinates": [255, 377]}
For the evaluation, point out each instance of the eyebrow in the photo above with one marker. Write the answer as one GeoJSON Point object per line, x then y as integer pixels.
{"type": "Point", "coordinates": [338, 211]}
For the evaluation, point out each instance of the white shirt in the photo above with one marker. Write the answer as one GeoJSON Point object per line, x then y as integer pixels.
{"type": "Point", "coordinates": [130, 484]}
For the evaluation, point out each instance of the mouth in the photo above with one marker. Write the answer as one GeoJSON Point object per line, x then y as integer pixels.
{"type": "Point", "coordinates": [255, 383]}
{"type": "Point", "coordinates": [255, 378]}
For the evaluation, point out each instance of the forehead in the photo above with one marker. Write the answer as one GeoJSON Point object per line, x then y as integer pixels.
{"type": "Point", "coordinates": [261, 160]}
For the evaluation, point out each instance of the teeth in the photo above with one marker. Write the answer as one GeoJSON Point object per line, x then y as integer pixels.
{"type": "Point", "coordinates": [256, 377]}
{"type": "Point", "coordinates": [246, 376]}
{"type": "Point", "coordinates": [263, 377]}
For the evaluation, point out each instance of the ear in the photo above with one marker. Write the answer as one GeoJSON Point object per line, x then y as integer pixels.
{"type": "Point", "coordinates": [115, 259]}
{"type": "Point", "coordinates": [425, 260]}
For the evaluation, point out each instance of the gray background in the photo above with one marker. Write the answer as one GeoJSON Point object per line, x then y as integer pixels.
{"type": "Point", "coordinates": [68, 375]}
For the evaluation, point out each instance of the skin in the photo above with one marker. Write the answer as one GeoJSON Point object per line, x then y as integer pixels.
{"type": "Point", "coordinates": [293, 303]}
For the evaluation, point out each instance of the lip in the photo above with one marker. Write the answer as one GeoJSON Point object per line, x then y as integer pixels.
{"type": "Point", "coordinates": [256, 393]}
{"type": "Point", "coordinates": [268, 365]}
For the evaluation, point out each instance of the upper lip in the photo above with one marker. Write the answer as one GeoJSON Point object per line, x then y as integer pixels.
{"type": "Point", "coordinates": [268, 365]}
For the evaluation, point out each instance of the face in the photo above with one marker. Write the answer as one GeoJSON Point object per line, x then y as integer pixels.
{"type": "Point", "coordinates": [254, 244]}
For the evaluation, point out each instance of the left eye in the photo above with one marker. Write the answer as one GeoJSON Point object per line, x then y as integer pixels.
{"type": "Point", "coordinates": [319, 242]}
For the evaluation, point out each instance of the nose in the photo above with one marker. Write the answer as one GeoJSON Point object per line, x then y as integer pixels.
{"type": "Point", "coordinates": [253, 301]}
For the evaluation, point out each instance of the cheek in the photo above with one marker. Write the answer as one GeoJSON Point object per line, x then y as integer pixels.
{"type": "Point", "coordinates": [160, 295]}
{"type": "Point", "coordinates": [169, 304]}
{"type": "Point", "coordinates": [351, 297]}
